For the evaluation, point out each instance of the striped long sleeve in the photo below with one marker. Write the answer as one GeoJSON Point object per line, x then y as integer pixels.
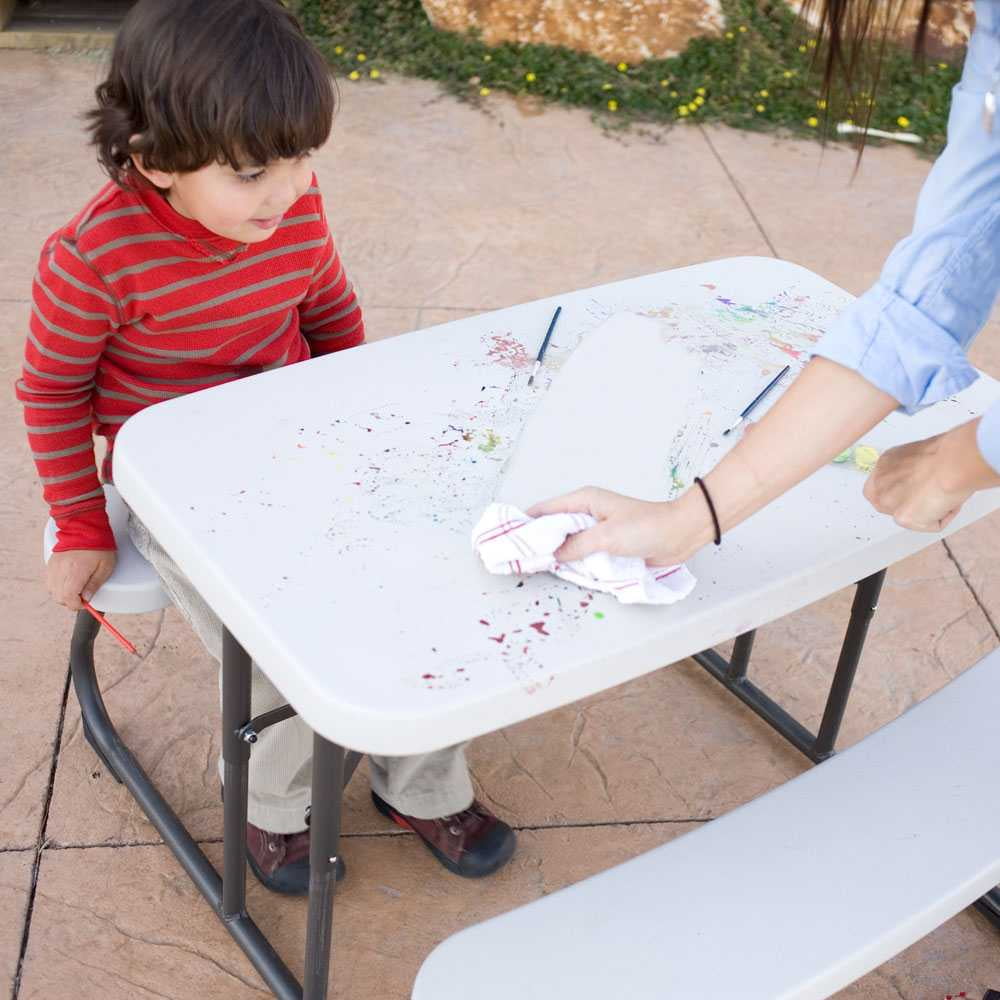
{"type": "Point", "coordinates": [72, 315]}
{"type": "Point", "coordinates": [329, 315]}
{"type": "Point", "coordinates": [135, 304]}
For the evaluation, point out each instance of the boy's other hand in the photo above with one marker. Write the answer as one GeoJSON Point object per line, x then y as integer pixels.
{"type": "Point", "coordinates": [75, 576]}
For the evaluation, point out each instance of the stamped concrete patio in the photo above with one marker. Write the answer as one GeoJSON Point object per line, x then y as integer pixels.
{"type": "Point", "coordinates": [442, 210]}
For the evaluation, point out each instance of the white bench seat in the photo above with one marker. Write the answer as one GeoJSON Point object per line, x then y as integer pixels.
{"type": "Point", "coordinates": [790, 897]}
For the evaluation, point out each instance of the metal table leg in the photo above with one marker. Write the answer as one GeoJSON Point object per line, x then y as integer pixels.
{"type": "Point", "coordinates": [324, 824]}
{"type": "Point", "coordinates": [989, 906]}
{"type": "Point", "coordinates": [733, 674]}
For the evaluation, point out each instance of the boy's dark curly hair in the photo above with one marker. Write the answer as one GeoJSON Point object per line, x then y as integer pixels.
{"type": "Point", "coordinates": [194, 82]}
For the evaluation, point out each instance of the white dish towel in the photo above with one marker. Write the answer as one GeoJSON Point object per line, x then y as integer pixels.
{"type": "Point", "coordinates": [510, 542]}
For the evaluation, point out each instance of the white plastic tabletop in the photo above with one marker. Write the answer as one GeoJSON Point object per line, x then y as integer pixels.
{"type": "Point", "coordinates": [324, 510]}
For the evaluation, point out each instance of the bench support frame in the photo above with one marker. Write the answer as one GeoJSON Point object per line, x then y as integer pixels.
{"type": "Point", "coordinates": [332, 769]}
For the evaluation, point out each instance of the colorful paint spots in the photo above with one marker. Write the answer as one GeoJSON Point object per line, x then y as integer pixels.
{"type": "Point", "coordinates": [492, 440]}
{"type": "Point", "coordinates": [861, 457]}
{"type": "Point", "coordinates": [508, 351]}
{"type": "Point", "coordinates": [539, 627]}
{"type": "Point", "coordinates": [785, 347]}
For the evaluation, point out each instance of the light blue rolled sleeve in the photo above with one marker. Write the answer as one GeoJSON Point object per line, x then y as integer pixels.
{"type": "Point", "coordinates": [908, 334]}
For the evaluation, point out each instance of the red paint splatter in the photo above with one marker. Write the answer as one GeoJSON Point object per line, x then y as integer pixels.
{"type": "Point", "coordinates": [483, 621]}
{"type": "Point", "coordinates": [427, 677]}
{"type": "Point", "coordinates": [584, 604]}
{"type": "Point", "coordinates": [786, 347]}
{"type": "Point", "coordinates": [508, 352]}
{"type": "Point", "coordinates": [498, 638]}
{"type": "Point", "coordinates": [539, 627]}
{"type": "Point", "coordinates": [709, 286]}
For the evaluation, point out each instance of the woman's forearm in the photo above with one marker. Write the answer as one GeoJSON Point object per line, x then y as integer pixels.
{"type": "Point", "coordinates": [825, 410]}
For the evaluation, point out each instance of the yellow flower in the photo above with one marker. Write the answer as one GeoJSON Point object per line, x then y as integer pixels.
{"type": "Point", "coordinates": [729, 34]}
{"type": "Point", "coordinates": [374, 74]}
{"type": "Point", "coordinates": [743, 29]}
{"type": "Point", "coordinates": [622, 67]}
{"type": "Point", "coordinates": [760, 108]}
{"type": "Point", "coordinates": [811, 43]}
{"type": "Point", "coordinates": [683, 111]}
{"type": "Point", "coordinates": [812, 121]}
{"type": "Point", "coordinates": [612, 105]}
{"type": "Point", "coordinates": [788, 74]}
{"type": "Point", "coordinates": [606, 86]}
{"type": "Point", "coordinates": [673, 93]}
{"type": "Point", "coordinates": [484, 91]}
{"type": "Point", "coordinates": [902, 121]}
{"type": "Point", "coordinates": [530, 77]}
{"type": "Point", "coordinates": [487, 58]}
{"type": "Point", "coordinates": [354, 75]}
{"type": "Point", "coordinates": [942, 65]}
{"type": "Point", "coordinates": [763, 93]}
{"type": "Point", "coordinates": [802, 48]}
{"type": "Point", "coordinates": [821, 104]}
{"type": "Point", "coordinates": [664, 83]}
{"type": "Point", "coordinates": [339, 49]}
{"type": "Point", "coordinates": [699, 101]}
{"type": "Point", "coordinates": [701, 91]}
{"type": "Point", "coordinates": [362, 57]}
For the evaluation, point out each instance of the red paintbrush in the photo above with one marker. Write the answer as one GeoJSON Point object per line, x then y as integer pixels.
{"type": "Point", "coordinates": [119, 638]}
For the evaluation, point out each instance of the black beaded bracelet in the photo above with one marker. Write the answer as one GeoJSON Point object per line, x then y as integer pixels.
{"type": "Point", "coordinates": [711, 507]}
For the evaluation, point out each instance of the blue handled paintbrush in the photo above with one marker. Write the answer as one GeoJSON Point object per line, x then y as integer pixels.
{"type": "Point", "coordinates": [760, 395]}
{"type": "Point", "coordinates": [545, 344]}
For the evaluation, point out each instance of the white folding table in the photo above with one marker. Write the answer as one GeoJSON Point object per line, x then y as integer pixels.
{"type": "Point", "coordinates": [324, 512]}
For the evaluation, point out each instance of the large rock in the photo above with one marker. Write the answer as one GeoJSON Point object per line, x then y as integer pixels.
{"type": "Point", "coordinates": [629, 30]}
{"type": "Point", "coordinates": [634, 30]}
{"type": "Point", "coordinates": [949, 26]}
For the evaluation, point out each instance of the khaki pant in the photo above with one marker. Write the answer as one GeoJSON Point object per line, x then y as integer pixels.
{"type": "Point", "coordinates": [425, 786]}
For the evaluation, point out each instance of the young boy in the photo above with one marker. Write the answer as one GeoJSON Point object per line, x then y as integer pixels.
{"type": "Point", "coordinates": [207, 258]}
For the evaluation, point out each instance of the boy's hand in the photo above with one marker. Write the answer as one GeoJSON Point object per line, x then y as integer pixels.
{"type": "Point", "coordinates": [75, 576]}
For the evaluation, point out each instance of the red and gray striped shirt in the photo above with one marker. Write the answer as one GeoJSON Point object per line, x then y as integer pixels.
{"type": "Point", "coordinates": [134, 303]}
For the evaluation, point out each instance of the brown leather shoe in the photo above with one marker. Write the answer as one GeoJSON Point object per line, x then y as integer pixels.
{"type": "Point", "coordinates": [281, 860]}
{"type": "Point", "coordinates": [472, 843]}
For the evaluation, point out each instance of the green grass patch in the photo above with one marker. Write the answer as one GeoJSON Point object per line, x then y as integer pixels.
{"type": "Point", "coordinates": [759, 74]}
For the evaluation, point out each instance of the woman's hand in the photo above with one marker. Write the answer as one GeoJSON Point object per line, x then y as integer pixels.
{"type": "Point", "coordinates": [923, 485]}
{"type": "Point", "coordinates": [75, 576]}
{"type": "Point", "coordinates": [655, 532]}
